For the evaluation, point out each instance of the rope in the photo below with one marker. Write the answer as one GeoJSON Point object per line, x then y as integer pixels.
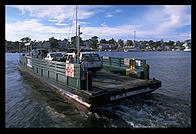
{"type": "Point", "coordinates": [71, 24]}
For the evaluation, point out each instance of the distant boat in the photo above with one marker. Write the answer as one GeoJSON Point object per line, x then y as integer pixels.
{"type": "Point", "coordinates": [187, 49]}
{"type": "Point", "coordinates": [132, 50]}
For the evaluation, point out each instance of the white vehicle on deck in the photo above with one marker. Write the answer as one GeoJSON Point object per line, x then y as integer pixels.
{"type": "Point", "coordinates": [93, 60]}
{"type": "Point", "coordinates": [54, 56]}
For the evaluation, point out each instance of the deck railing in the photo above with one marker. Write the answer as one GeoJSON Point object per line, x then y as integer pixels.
{"type": "Point", "coordinates": [114, 61]}
{"type": "Point", "coordinates": [53, 70]}
{"type": "Point", "coordinates": [126, 66]}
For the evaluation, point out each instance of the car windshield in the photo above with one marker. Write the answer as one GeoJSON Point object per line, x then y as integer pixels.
{"type": "Point", "coordinates": [59, 55]}
{"type": "Point", "coordinates": [56, 55]}
{"type": "Point", "coordinates": [35, 52]}
{"type": "Point", "coordinates": [52, 55]}
{"type": "Point", "coordinates": [92, 57]}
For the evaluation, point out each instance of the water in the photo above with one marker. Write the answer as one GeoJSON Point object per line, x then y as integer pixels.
{"type": "Point", "coordinates": [31, 104]}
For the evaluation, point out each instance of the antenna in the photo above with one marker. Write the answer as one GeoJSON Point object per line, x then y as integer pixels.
{"type": "Point", "coordinates": [76, 21]}
{"type": "Point", "coordinates": [134, 36]}
{"type": "Point", "coordinates": [70, 29]}
{"type": "Point", "coordinates": [134, 32]}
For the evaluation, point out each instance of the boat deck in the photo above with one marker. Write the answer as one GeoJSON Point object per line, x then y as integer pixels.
{"type": "Point", "coordinates": [106, 87]}
{"type": "Point", "coordinates": [107, 81]}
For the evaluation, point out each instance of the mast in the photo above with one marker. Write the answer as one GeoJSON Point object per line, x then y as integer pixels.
{"type": "Point", "coordinates": [78, 41]}
{"type": "Point", "coordinates": [76, 21]}
{"type": "Point", "coordinates": [77, 38]}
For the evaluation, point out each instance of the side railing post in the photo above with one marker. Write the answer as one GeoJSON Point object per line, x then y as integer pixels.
{"type": "Point", "coordinates": [120, 62]}
{"type": "Point", "coordinates": [110, 60]}
{"type": "Point", "coordinates": [146, 72]}
{"type": "Point", "coordinates": [88, 80]}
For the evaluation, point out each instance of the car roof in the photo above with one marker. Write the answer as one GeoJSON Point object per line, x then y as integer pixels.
{"type": "Point", "coordinates": [87, 52]}
{"type": "Point", "coordinates": [82, 53]}
{"type": "Point", "coordinates": [54, 53]}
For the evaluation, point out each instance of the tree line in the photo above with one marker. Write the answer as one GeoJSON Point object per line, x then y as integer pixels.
{"type": "Point", "coordinates": [94, 43]}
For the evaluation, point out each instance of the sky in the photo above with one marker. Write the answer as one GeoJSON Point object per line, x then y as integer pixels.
{"type": "Point", "coordinates": [150, 22]}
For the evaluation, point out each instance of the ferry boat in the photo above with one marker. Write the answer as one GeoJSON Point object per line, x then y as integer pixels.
{"type": "Point", "coordinates": [117, 79]}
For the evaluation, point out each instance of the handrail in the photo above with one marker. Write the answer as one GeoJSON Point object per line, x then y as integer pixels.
{"type": "Point", "coordinates": [54, 70]}
{"type": "Point", "coordinates": [120, 62]}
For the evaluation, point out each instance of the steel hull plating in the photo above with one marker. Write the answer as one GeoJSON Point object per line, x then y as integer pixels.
{"type": "Point", "coordinates": [94, 99]}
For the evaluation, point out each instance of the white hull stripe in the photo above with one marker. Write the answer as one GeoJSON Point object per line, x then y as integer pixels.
{"type": "Point", "coordinates": [130, 93]}
{"type": "Point", "coordinates": [73, 96]}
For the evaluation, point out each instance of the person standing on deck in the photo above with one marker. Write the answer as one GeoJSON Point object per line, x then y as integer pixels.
{"type": "Point", "coordinates": [71, 60]}
{"type": "Point", "coordinates": [76, 57]}
{"type": "Point", "coordinates": [84, 66]}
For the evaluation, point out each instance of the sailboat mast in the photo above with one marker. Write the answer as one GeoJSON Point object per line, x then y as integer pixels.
{"type": "Point", "coordinates": [134, 37]}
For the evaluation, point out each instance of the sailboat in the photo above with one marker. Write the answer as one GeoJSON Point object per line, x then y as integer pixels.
{"type": "Point", "coordinates": [134, 48]}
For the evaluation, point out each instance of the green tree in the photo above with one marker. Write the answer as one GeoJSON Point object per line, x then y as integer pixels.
{"type": "Point", "coordinates": [170, 43]}
{"type": "Point", "coordinates": [112, 41]}
{"type": "Point", "coordinates": [178, 43]}
{"type": "Point", "coordinates": [157, 43]}
{"type": "Point", "coordinates": [151, 42]}
{"type": "Point", "coordinates": [73, 41]}
{"type": "Point", "coordinates": [53, 43]}
{"type": "Point", "coordinates": [103, 41]}
{"type": "Point", "coordinates": [120, 43]}
{"type": "Point", "coordinates": [94, 39]}
{"type": "Point", "coordinates": [25, 39]}
{"type": "Point", "coordinates": [129, 43]}
{"type": "Point", "coordinates": [17, 45]}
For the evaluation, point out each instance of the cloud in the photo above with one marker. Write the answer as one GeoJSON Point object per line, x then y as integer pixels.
{"type": "Point", "coordinates": [61, 24]}
{"type": "Point", "coordinates": [110, 32]}
{"type": "Point", "coordinates": [59, 12]}
{"type": "Point", "coordinates": [118, 11]}
{"type": "Point", "coordinates": [53, 20]}
{"type": "Point", "coordinates": [37, 31]}
{"type": "Point", "coordinates": [103, 24]}
{"type": "Point", "coordinates": [32, 28]}
{"type": "Point", "coordinates": [50, 12]}
{"type": "Point", "coordinates": [112, 14]}
{"type": "Point", "coordinates": [164, 22]}
{"type": "Point", "coordinates": [176, 17]}
{"type": "Point", "coordinates": [166, 18]}
{"type": "Point", "coordinates": [156, 23]}
{"type": "Point", "coordinates": [109, 15]}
